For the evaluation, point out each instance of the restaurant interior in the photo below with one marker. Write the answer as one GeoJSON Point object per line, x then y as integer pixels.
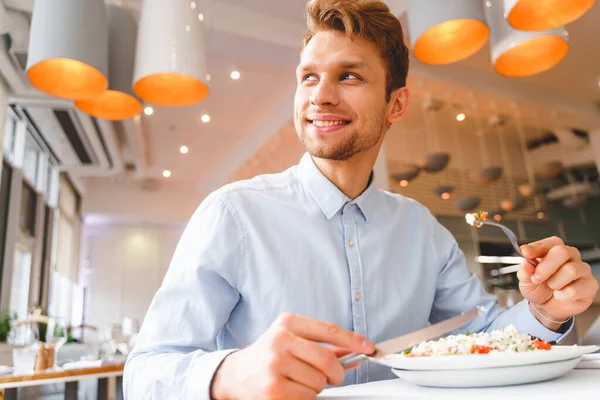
{"type": "Point", "coordinates": [108, 147]}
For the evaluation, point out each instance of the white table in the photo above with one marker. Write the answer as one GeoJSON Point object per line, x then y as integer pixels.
{"type": "Point", "coordinates": [70, 377]}
{"type": "Point", "coordinates": [579, 384]}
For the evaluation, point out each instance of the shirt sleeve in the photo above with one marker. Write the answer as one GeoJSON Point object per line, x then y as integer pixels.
{"type": "Point", "coordinates": [458, 290]}
{"type": "Point", "coordinates": [176, 353]}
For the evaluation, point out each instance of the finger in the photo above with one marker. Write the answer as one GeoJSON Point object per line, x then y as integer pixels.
{"type": "Point", "coordinates": [326, 332]}
{"type": "Point", "coordinates": [541, 247]}
{"type": "Point", "coordinates": [556, 257]}
{"type": "Point", "coordinates": [300, 372]}
{"type": "Point", "coordinates": [319, 357]}
{"type": "Point", "coordinates": [578, 290]}
{"type": "Point", "coordinates": [291, 390]}
{"type": "Point", "coordinates": [568, 273]}
{"type": "Point", "coordinates": [525, 272]}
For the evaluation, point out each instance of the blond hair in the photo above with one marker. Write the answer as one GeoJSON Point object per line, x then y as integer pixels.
{"type": "Point", "coordinates": [367, 19]}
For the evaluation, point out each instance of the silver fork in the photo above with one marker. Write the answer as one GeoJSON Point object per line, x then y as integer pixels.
{"type": "Point", "coordinates": [513, 239]}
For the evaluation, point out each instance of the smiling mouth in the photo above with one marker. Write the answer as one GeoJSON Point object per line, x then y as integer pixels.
{"type": "Point", "coordinates": [322, 124]}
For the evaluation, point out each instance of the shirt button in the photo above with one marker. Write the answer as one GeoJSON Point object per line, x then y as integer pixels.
{"type": "Point", "coordinates": [351, 243]}
{"type": "Point", "coordinates": [357, 296]}
{"type": "Point", "coordinates": [349, 206]}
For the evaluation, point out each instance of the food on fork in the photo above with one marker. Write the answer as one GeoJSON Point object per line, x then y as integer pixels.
{"type": "Point", "coordinates": [506, 340]}
{"type": "Point", "coordinates": [474, 218]}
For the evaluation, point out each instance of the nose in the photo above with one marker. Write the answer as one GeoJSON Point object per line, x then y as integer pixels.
{"type": "Point", "coordinates": [325, 93]}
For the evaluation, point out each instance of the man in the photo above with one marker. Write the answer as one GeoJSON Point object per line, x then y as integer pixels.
{"type": "Point", "coordinates": [275, 277]}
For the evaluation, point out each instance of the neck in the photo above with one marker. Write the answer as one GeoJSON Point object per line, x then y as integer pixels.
{"type": "Point", "coordinates": [350, 176]}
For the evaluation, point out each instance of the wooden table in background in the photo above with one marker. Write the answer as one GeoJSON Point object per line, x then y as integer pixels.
{"type": "Point", "coordinates": [71, 378]}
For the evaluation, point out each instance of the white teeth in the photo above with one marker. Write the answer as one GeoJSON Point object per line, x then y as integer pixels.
{"type": "Point", "coordinates": [327, 123]}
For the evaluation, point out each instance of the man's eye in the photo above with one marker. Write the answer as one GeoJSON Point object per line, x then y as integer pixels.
{"type": "Point", "coordinates": [350, 76]}
{"type": "Point", "coordinates": [309, 78]}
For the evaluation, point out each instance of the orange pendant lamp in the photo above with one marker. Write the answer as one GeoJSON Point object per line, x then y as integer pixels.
{"type": "Point", "coordinates": [68, 48]}
{"type": "Point", "coordinates": [517, 53]}
{"type": "Point", "coordinates": [170, 64]}
{"type": "Point", "coordinates": [443, 32]}
{"type": "Point", "coordinates": [118, 102]}
{"type": "Point", "coordinates": [536, 15]}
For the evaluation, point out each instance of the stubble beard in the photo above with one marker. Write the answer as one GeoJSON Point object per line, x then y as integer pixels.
{"type": "Point", "coordinates": [350, 146]}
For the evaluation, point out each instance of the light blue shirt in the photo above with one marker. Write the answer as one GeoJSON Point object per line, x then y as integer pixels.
{"type": "Point", "coordinates": [379, 265]}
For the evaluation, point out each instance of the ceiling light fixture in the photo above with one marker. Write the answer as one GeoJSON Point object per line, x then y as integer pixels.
{"type": "Point", "coordinates": [170, 64]}
{"type": "Point", "coordinates": [205, 118]}
{"type": "Point", "coordinates": [148, 110]}
{"type": "Point", "coordinates": [118, 102]}
{"type": "Point", "coordinates": [166, 173]}
{"type": "Point", "coordinates": [200, 17]}
{"type": "Point", "coordinates": [518, 53]}
{"type": "Point", "coordinates": [183, 149]}
{"type": "Point", "coordinates": [443, 32]}
{"type": "Point", "coordinates": [460, 117]}
{"type": "Point", "coordinates": [235, 75]}
{"type": "Point", "coordinates": [68, 48]}
{"type": "Point", "coordinates": [535, 15]}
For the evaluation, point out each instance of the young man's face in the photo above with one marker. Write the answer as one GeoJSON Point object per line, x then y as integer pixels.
{"type": "Point", "coordinates": [340, 107]}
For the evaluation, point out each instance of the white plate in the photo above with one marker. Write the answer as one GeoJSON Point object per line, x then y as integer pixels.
{"type": "Point", "coordinates": [488, 377]}
{"type": "Point", "coordinates": [491, 360]}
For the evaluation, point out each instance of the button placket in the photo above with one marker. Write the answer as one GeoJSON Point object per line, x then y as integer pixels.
{"type": "Point", "coordinates": [356, 284]}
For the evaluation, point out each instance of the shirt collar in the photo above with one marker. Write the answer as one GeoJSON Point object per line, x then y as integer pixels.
{"type": "Point", "coordinates": [328, 197]}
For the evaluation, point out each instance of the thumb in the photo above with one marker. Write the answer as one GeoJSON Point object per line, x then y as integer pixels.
{"type": "Point", "coordinates": [528, 251]}
{"type": "Point", "coordinates": [342, 352]}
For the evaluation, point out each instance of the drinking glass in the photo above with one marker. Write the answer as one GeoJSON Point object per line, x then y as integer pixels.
{"type": "Point", "coordinates": [56, 336]}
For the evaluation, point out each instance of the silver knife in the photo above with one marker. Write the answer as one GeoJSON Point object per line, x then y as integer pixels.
{"type": "Point", "coordinates": [403, 342]}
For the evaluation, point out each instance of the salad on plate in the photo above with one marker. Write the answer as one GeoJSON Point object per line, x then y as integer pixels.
{"type": "Point", "coordinates": [505, 340]}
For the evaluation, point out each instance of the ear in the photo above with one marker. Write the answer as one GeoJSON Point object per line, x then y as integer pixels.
{"type": "Point", "coordinates": [399, 103]}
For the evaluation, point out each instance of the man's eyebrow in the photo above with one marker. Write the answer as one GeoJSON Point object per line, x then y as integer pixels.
{"type": "Point", "coordinates": [342, 65]}
{"type": "Point", "coordinates": [354, 65]}
{"type": "Point", "coordinates": [305, 67]}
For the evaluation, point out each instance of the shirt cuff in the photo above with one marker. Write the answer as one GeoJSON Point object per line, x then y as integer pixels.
{"type": "Point", "coordinates": [202, 371]}
{"type": "Point", "coordinates": [537, 329]}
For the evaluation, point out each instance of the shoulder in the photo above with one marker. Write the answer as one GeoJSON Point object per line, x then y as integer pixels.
{"type": "Point", "coordinates": [260, 186]}
{"type": "Point", "coordinates": [405, 204]}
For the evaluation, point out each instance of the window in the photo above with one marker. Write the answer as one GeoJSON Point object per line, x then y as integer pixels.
{"type": "Point", "coordinates": [5, 182]}
{"type": "Point", "coordinates": [52, 185]}
{"type": "Point", "coordinates": [14, 141]}
{"type": "Point", "coordinates": [28, 210]}
{"type": "Point", "coordinates": [21, 279]}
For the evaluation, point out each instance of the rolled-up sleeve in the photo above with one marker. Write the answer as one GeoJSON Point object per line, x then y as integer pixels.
{"type": "Point", "coordinates": [176, 353]}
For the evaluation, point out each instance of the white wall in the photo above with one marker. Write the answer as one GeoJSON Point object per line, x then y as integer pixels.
{"type": "Point", "coordinates": [170, 202]}
{"type": "Point", "coordinates": [123, 264]}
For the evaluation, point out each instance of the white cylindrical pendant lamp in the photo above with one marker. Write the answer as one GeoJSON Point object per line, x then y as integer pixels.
{"type": "Point", "coordinates": [170, 64]}
{"type": "Point", "coordinates": [119, 101]}
{"type": "Point", "coordinates": [443, 32]}
{"type": "Point", "coordinates": [536, 15]}
{"type": "Point", "coordinates": [518, 53]}
{"type": "Point", "coordinates": [68, 48]}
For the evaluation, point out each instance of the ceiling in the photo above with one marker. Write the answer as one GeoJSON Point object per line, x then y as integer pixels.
{"type": "Point", "coordinates": [260, 39]}
{"type": "Point", "coordinates": [239, 108]}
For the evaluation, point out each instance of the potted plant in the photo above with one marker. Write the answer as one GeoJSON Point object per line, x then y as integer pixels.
{"type": "Point", "coordinates": [5, 326]}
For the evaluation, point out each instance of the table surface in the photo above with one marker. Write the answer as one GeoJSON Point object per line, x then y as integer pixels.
{"type": "Point", "coordinates": [41, 378]}
{"type": "Point", "coordinates": [579, 384]}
